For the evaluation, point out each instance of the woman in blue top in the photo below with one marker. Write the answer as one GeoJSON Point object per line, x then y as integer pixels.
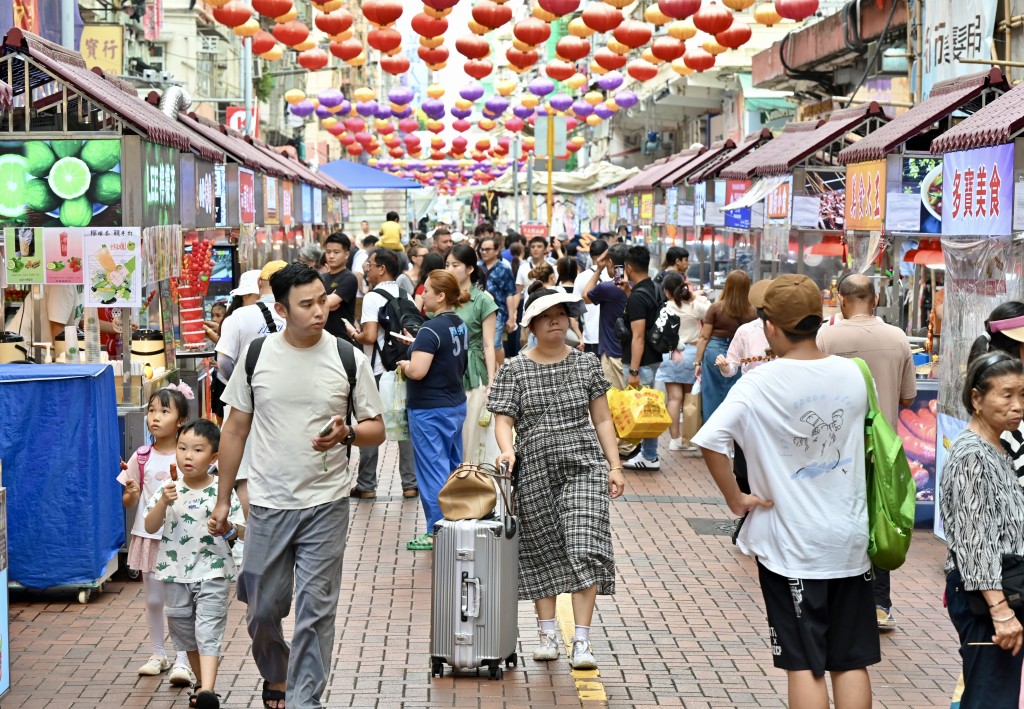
{"type": "Point", "coordinates": [436, 400]}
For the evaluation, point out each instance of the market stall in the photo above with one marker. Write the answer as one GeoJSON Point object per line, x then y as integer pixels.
{"type": "Point", "coordinates": [374, 193]}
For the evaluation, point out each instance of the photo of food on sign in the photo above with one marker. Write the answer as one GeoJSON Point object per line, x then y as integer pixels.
{"type": "Point", "coordinates": [53, 183]}
{"type": "Point", "coordinates": [112, 268]}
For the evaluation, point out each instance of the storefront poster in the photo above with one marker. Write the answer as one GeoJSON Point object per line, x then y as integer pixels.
{"type": "Point", "coordinates": [24, 246]}
{"type": "Point", "coordinates": [955, 31]}
{"type": "Point", "coordinates": [161, 252]}
{"type": "Point", "coordinates": [737, 218]}
{"type": "Point", "coordinates": [113, 268]}
{"type": "Point", "coordinates": [949, 427]}
{"type": "Point", "coordinates": [62, 249]}
{"type": "Point", "coordinates": [865, 195]}
{"type": "Point", "coordinates": [220, 194]}
{"type": "Point", "coordinates": [270, 208]}
{"type": "Point", "coordinates": [647, 206]}
{"type": "Point", "coordinates": [613, 209]}
{"type": "Point", "coordinates": [318, 206]}
{"type": "Point", "coordinates": [529, 231]}
{"type": "Point", "coordinates": [159, 185]}
{"type": "Point", "coordinates": [829, 186]}
{"type": "Point", "coordinates": [246, 196]}
{"type": "Point", "coordinates": [917, 428]}
{"type": "Point", "coordinates": [50, 183]}
{"type": "Point", "coordinates": [700, 198]}
{"type": "Point", "coordinates": [917, 207]}
{"type": "Point", "coordinates": [977, 192]}
{"type": "Point", "coordinates": [287, 194]}
{"type": "Point", "coordinates": [206, 194]}
{"type": "Point", "coordinates": [777, 202]}
{"type": "Point", "coordinates": [307, 204]}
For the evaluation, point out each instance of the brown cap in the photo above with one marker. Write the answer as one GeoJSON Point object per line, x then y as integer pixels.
{"type": "Point", "coordinates": [756, 296]}
{"type": "Point", "coordinates": [791, 298]}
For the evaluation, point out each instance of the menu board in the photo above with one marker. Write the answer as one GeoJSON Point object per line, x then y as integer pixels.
{"type": "Point", "coordinates": [917, 206]}
{"type": "Point", "coordinates": [113, 268]}
{"type": "Point", "coordinates": [865, 195]}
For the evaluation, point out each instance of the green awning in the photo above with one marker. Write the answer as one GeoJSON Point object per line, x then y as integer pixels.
{"type": "Point", "coordinates": [764, 99]}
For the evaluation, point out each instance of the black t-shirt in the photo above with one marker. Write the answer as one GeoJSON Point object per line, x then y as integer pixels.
{"type": "Point", "coordinates": [344, 285]}
{"type": "Point", "coordinates": [447, 338]}
{"type": "Point", "coordinates": [643, 304]}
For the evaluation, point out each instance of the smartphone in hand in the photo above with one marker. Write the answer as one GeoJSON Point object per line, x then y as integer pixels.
{"type": "Point", "coordinates": [328, 427]}
{"type": "Point", "coordinates": [620, 273]}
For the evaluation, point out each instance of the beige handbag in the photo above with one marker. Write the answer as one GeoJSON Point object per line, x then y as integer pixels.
{"type": "Point", "coordinates": [471, 493]}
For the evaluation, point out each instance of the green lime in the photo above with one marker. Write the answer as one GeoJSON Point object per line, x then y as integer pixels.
{"type": "Point", "coordinates": [70, 178]}
{"type": "Point", "coordinates": [13, 175]}
{"type": "Point", "coordinates": [76, 212]}
{"type": "Point", "coordinates": [101, 155]}
{"type": "Point", "coordinates": [39, 158]}
{"type": "Point", "coordinates": [39, 197]}
{"type": "Point", "coordinates": [106, 188]}
{"type": "Point", "coordinates": [66, 148]}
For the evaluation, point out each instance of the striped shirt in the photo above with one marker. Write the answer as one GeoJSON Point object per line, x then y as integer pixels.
{"type": "Point", "coordinates": [982, 509]}
{"type": "Point", "coordinates": [1013, 442]}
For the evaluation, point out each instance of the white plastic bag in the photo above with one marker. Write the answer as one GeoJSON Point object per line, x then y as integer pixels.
{"type": "Point", "coordinates": [392, 393]}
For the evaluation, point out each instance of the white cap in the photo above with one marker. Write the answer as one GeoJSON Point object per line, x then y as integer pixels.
{"type": "Point", "coordinates": [248, 284]}
{"type": "Point", "coordinates": [458, 237]}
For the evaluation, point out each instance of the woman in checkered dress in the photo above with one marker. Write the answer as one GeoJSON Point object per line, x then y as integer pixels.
{"type": "Point", "coordinates": [549, 395]}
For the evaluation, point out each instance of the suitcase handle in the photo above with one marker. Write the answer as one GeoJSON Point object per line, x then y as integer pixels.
{"type": "Point", "coordinates": [470, 601]}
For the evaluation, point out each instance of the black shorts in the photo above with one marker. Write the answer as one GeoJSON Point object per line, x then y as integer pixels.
{"type": "Point", "coordinates": [825, 625]}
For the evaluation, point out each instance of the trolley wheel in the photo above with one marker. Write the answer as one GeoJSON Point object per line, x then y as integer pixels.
{"type": "Point", "coordinates": [436, 669]}
{"type": "Point", "coordinates": [496, 671]}
{"type": "Point", "coordinates": [512, 661]}
{"type": "Point", "coordinates": [133, 573]}
{"type": "Point", "coordinates": [83, 595]}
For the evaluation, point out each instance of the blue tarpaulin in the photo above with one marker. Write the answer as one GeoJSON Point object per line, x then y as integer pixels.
{"type": "Point", "coordinates": [360, 177]}
{"type": "Point", "coordinates": [61, 456]}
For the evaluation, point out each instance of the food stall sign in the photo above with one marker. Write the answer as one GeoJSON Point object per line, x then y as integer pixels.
{"type": "Point", "coordinates": [270, 208]}
{"type": "Point", "coordinates": [318, 206]}
{"type": "Point", "coordinates": [307, 204]}
{"type": "Point", "coordinates": [219, 194]}
{"type": "Point", "coordinates": [916, 204]}
{"type": "Point", "coordinates": [246, 196]}
{"type": "Point", "coordinates": [287, 193]}
{"type": "Point", "coordinates": [530, 231]}
{"type": "Point", "coordinates": [113, 267]}
{"type": "Point", "coordinates": [700, 198]}
{"type": "Point", "coordinates": [737, 218]}
{"type": "Point", "coordinates": [205, 195]}
{"type": "Point", "coordinates": [977, 192]}
{"type": "Point", "coordinates": [647, 206]}
{"type": "Point", "coordinates": [865, 195]}
{"type": "Point", "coordinates": [159, 185]}
{"type": "Point", "coordinates": [777, 202]}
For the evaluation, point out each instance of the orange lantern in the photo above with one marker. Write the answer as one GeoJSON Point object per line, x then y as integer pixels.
{"type": "Point", "coordinates": [655, 16]}
{"type": "Point", "coordinates": [578, 28]}
{"type": "Point", "coordinates": [765, 14]}
{"type": "Point", "coordinates": [682, 29]}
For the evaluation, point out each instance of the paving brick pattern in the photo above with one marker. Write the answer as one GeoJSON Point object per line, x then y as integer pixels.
{"type": "Point", "coordinates": [685, 628]}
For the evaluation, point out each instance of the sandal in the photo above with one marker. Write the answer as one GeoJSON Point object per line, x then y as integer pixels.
{"type": "Point", "coordinates": [204, 700]}
{"type": "Point", "coordinates": [424, 543]}
{"type": "Point", "coordinates": [271, 695]}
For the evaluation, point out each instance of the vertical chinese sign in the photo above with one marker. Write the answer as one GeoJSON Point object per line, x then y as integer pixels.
{"type": "Point", "coordinates": [865, 195]}
{"type": "Point", "coordinates": [977, 192]}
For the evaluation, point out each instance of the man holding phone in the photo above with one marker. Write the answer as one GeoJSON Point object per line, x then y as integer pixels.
{"type": "Point", "coordinates": [611, 296]}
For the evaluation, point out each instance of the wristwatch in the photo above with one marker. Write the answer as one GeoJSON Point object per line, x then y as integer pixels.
{"type": "Point", "coordinates": [349, 437]}
{"type": "Point", "coordinates": [634, 372]}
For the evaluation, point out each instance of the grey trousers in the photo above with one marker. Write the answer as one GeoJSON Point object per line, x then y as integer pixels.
{"type": "Point", "coordinates": [367, 479]}
{"type": "Point", "coordinates": [303, 549]}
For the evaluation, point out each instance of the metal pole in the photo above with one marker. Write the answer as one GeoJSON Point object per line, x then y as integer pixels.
{"type": "Point", "coordinates": [531, 208]}
{"type": "Point", "coordinates": [551, 162]}
{"type": "Point", "coordinates": [515, 181]}
{"type": "Point", "coordinates": [247, 83]}
{"type": "Point", "coordinates": [67, 25]}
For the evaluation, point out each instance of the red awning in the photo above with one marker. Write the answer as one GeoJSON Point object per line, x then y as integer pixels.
{"type": "Point", "coordinates": [6, 97]}
{"type": "Point", "coordinates": [650, 178]}
{"type": "Point", "coordinates": [232, 143]}
{"type": "Point", "coordinates": [297, 168]}
{"type": "Point", "coordinates": [116, 96]}
{"type": "Point", "coordinates": [997, 123]}
{"type": "Point", "coordinates": [801, 140]}
{"type": "Point", "coordinates": [679, 173]}
{"type": "Point", "coordinates": [945, 98]}
{"type": "Point", "coordinates": [630, 185]}
{"type": "Point", "coordinates": [710, 171]}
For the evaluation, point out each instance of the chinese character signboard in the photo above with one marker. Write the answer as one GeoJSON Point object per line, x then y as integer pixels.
{"type": "Point", "coordinates": [246, 196]}
{"type": "Point", "coordinates": [531, 230]}
{"type": "Point", "coordinates": [318, 206]}
{"type": "Point", "coordinates": [776, 203]}
{"type": "Point", "coordinates": [205, 194]}
{"type": "Point", "coordinates": [737, 218]}
{"type": "Point", "coordinates": [647, 206]}
{"type": "Point", "coordinates": [865, 195]}
{"type": "Point", "coordinates": [700, 198]}
{"type": "Point", "coordinates": [159, 185]}
{"type": "Point", "coordinates": [977, 192]}
{"type": "Point", "coordinates": [270, 192]}
{"type": "Point", "coordinates": [113, 268]}
{"type": "Point", "coordinates": [955, 31]}
{"type": "Point", "coordinates": [307, 204]}
{"type": "Point", "coordinates": [287, 195]}
{"type": "Point", "coordinates": [103, 46]}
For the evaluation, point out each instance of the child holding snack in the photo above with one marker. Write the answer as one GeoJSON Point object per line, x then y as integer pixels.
{"type": "Point", "coordinates": [146, 471]}
{"type": "Point", "coordinates": [195, 566]}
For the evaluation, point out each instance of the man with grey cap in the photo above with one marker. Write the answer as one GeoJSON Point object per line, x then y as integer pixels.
{"type": "Point", "coordinates": [800, 421]}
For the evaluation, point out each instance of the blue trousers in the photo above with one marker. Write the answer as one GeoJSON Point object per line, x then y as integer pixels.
{"type": "Point", "coordinates": [713, 386]}
{"type": "Point", "coordinates": [436, 436]}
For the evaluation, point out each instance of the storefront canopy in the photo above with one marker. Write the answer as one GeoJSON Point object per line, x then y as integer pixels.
{"type": "Point", "coordinates": [680, 172]}
{"type": "Point", "coordinates": [360, 177]}
{"type": "Point", "coordinates": [960, 94]}
{"type": "Point", "coordinates": [232, 143]}
{"type": "Point", "coordinates": [299, 169]}
{"type": "Point", "coordinates": [595, 176]}
{"type": "Point", "coordinates": [711, 169]}
{"type": "Point", "coordinates": [630, 185]}
{"type": "Point", "coordinates": [997, 123]}
{"type": "Point", "coordinates": [648, 179]}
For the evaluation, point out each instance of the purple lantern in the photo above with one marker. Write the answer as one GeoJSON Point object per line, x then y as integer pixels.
{"type": "Point", "coordinates": [366, 109]}
{"type": "Point", "coordinates": [303, 108]}
{"type": "Point", "coordinates": [560, 102]}
{"type": "Point", "coordinates": [383, 111]}
{"type": "Point", "coordinates": [400, 95]}
{"type": "Point", "coordinates": [472, 92]}
{"type": "Point", "coordinates": [496, 105]}
{"type": "Point", "coordinates": [344, 108]}
{"type": "Point", "coordinates": [626, 99]}
{"type": "Point", "coordinates": [610, 81]}
{"type": "Point", "coordinates": [581, 108]}
{"type": "Point", "coordinates": [461, 113]}
{"type": "Point", "coordinates": [330, 97]}
{"type": "Point", "coordinates": [603, 112]}
{"type": "Point", "coordinates": [433, 108]}
{"type": "Point", "coordinates": [541, 86]}
{"type": "Point", "coordinates": [522, 112]}
{"type": "Point", "coordinates": [404, 113]}
{"type": "Point", "coordinates": [323, 111]}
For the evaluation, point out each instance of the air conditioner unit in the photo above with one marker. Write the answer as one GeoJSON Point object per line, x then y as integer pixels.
{"type": "Point", "coordinates": [668, 137]}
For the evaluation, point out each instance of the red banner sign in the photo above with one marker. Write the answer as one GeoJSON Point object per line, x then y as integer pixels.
{"type": "Point", "coordinates": [246, 196]}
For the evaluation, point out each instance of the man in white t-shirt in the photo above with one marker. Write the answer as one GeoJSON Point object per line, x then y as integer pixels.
{"type": "Point", "coordinates": [382, 270]}
{"type": "Point", "coordinates": [538, 254]}
{"type": "Point", "coordinates": [298, 485]}
{"type": "Point", "coordinates": [800, 423]}
{"type": "Point", "coordinates": [60, 307]}
{"type": "Point", "coordinates": [592, 318]}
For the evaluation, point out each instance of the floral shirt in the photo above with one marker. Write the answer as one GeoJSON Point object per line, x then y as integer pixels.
{"type": "Point", "coordinates": [188, 552]}
{"type": "Point", "coordinates": [501, 284]}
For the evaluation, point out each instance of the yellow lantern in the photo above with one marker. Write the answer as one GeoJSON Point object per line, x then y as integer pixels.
{"type": "Point", "coordinates": [431, 42]}
{"type": "Point", "coordinates": [330, 5]}
{"type": "Point", "coordinates": [476, 28]}
{"type": "Point", "coordinates": [217, 3]}
{"type": "Point", "coordinates": [247, 28]}
{"type": "Point", "coordinates": [372, 162]}
{"type": "Point", "coordinates": [542, 14]}
{"type": "Point", "coordinates": [359, 60]}
{"type": "Point", "coordinates": [329, 122]}
{"type": "Point", "coordinates": [683, 29]}
{"type": "Point", "coordinates": [342, 36]}
{"type": "Point", "coordinates": [273, 54]}
{"type": "Point", "coordinates": [766, 14]}
{"type": "Point", "coordinates": [618, 47]}
{"type": "Point", "coordinates": [364, 93]}
{"type": "Point", "coordinates": [619, 3]}
{"type": "Point", "coordinates": [485, 124]}
{"type": "Point", "coordinates": [518, 69]}
{"type": "Point", "coordinates": [679, 67]}
{"type": "Point", "coordinates": [593, 97]}
{"type": "Point", "coordinates": [437, 13]}
{"type": "Point", "coordinates": [294, 96]}
{"type": "Point", "coordinates": [530, 101]}
{"type": "Point", "coordinates": [596, 68]}
{"type": "Point", "coordinates": [378, 123]}
{"type": "Point", "coordinates": [738, 5]}
{"type": "Point", "coordinates": [713, 48]}
{"type": "Point", "coordinates": [593, 120]}
{"type": "Point", "coordinates": [505, 87]}
{"type": "Point", "coordinates": [521, 45]}
{"type": "Point", "coordinates": [576, 81]}
{"type": "Point", "coordinates": [287, 17]}
{"type": "Point", "coordinates": [435, 91]}
{"type": "Point", "coordinates": [463, 104]}
{"type": "Point", "coordinates": [304, 45]}
{"type": "Point", "coordinates": [579, 28]}
{"type": "Point", "coordinates": [611, 105]}
{"type": "Point", "coordinates": [655, 16]}
{"type": "Point", "coordinates": [649, 56]}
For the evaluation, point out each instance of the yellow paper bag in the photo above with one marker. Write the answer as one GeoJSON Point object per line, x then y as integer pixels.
{"type": "Point", "coordinates": [638, 413]}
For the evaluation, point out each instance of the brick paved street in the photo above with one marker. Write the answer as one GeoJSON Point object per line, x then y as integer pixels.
{"type": "Point", "coordinates": [684, 628]}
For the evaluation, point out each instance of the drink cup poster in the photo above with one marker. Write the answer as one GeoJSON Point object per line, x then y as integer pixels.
{"type": "Point", "coordinates": [54, 183]}
{"type": "Point", "coordinates": [24, 255]}
{"type": "Point", "coordinates": [977, 192]}
{"type": "Point", "coordinates": [113, 268]}
{"type": "Point", "coordinates": [62, 249]}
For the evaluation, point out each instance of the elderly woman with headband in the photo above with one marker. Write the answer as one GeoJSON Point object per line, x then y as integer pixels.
{"type": "Point", "coordinates": [568, 470]}
{"type": "Point", "coordinates": [1004, 332]}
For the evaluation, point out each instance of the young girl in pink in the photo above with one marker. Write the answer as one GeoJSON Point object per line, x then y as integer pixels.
{"type": "Point", "coordinates": [147, 471]}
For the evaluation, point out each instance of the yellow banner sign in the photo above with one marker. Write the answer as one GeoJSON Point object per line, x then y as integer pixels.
{"type": "Point", "coordinates": [103, 46]}
{"type": "Point", "coordinates": [865, 195]}
{"type": "Point", "coordinates": [647, 206]}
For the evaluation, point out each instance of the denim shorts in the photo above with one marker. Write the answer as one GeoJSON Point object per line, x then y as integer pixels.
{"type": "Point", "coordinates": [499, 329]}
{"type": "Point", "coordinates": [681, 372]}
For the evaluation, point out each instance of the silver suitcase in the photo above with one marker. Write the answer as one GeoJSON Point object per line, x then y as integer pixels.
{"type": "Point", "coordinates": [474, 607]}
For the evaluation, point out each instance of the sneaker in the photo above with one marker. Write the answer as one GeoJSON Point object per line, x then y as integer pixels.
{"type": "Point", "coordinates": [582, 658]}
{"type": "Point", "coordinates": [548, 648]}
{"type": "Point", "coordinates": [885, 619]}
{"type": "Point", "coordinates": [362, 494]}
{"type": "Point", "coordinates": [676, 444]}
{"type": "Point", "coordinates": [154, 666]}
{"type": "Point", "coordinates": [638, 462]}
{"type": "Point", "coordinates": [181, 676]}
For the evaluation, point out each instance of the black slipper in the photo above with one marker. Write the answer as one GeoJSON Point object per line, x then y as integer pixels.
{"type": "Point", "coordinates": [271, 695]}
{"type": "Point", "coordinates": [204, 700]}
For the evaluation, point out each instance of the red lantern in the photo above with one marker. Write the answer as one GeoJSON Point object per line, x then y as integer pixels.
{"type": "Point", "coordinates": [698, 59]}
{"type": "Point", "coordinates": [461, 125]}
{"type": "Point", "coordinates": [440, 5]}
{"type": "Point", "coordinates": [411, 141]}
{"type": "Point", "coordinates": [334, 22]}
{"type": "Point", "coordinates": [291, 33]}
{"type": "Point", "coordinates": [272, 8]}
{"type": "Point", "coordinates": [472, 47]}
{"type": "Point", "coordinates": [678, 9]}
{"type": "Point", "coordinates": [396, 153]}
{"type": "Point", "coordinates": [433, 57]}
{"type": "Point", "coordinates": [559, 7]}
{"type": "Point", "coordinates": [262, 42]}
{"type": "Point", "coordinates": [355, 124]}
{"type": "Point", "coordinates": [478, 68]}
{"type": "Point", "coordinates": [642, 70]}
{"type": "Point", "coordinates": [336, 130]}
{"type": "Point", "coordinates": [609, 60]}
{"type": "Point", "coordinates": [349, 49]}
{"type": "Point", "coordinates": [426, 26]}
{"type": "Point", "coordinates": [354, 149]}
{"type": "Point", "coordinates": [667, 48]}
{"type": "Point", "coordinates": [514, 124]}
{"type": "Point", "coordinates": [459, 144]}
{"type": "Point", "coordinates": [408, 125]}
{"type": "Point", "coordinates": [736, 36]}
{"type": "Point", "coordinates": [521, 59]}
{"type": "Point", "coordinates": [572, 48]}
{"type": "Point", "coordinates": [559, 71]}
{"type": "Point", "coordinates": [492, 15]}
{"type": "Point", "coordinates": [395, 65]}
{"type": "Point", "coordinates": [384, 40]}
{"type": "Point", "coordinates": [633, 33]}
{"type": "Point", "coordinates": [233, 14]}
{"type": "Point", "coordinates": [712, 18]}
{"type": "Point", "coordinates": [312, 59]}
{"type": "Point", "coordinates": [796, 9]}
{"type": "Point", "coordinates": [601, 17]}
{"type": "Point", "coordinates": [363, 138]}
{"type": "Point", "coordinates": [382, 12]}
{"type": "Point", "coordinates": [531, 31]}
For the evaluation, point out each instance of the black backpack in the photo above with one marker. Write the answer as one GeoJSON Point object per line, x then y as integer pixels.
{"type": "Point", "coordinates": [397, 314]}
{"type": "Point", "coordinates": [663, 335]}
